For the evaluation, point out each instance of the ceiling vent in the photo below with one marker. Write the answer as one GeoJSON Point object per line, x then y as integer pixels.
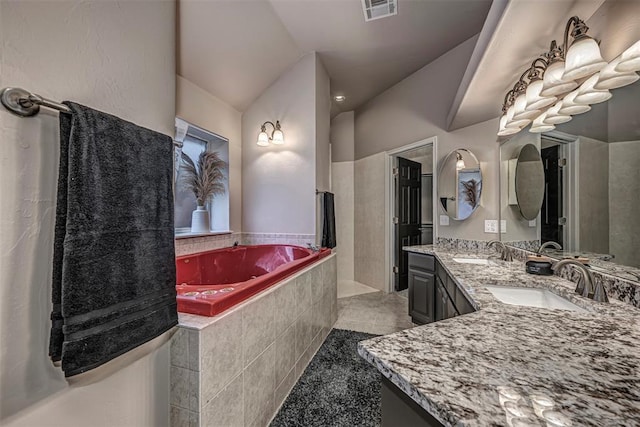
{"type": "Point", "coordinates": [376, 9]}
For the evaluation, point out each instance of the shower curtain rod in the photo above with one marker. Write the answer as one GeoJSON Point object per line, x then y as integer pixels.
{"type": "Point", "coordinates": [27, 104]}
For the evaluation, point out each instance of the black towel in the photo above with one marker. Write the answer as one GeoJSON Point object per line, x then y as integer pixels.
{"type": "Point", "coordinates": [328, 221]}
{"type": "Point", "coordinates": [113, 258]}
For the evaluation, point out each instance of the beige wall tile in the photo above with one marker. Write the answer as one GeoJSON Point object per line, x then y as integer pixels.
{"type": "Point", "coordinates": [259, 385]}
{"type": "Point", "coordinates": [285, 353]}
{"type": "Point", "coordinates": [283, 389]}
{"type": "Point", "coordinates": [258, 327]}
{"type": "Point", "coordinates": [180, 349]}
{"type": "Point", "coordinates": [180, 387]}
{"type": "Point", "coordinates": [303, 293]}
{"type": "Point", "coordinates": [303, 331]}
{"type": "Point", "coordinates": [227, 407]}
{"type": "Point", "coordinates": [285, 307]}
{"type": "Point", "coordinates": [218, 342]}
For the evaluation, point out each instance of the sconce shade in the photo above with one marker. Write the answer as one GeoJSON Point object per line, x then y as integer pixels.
{"type": "Point", "coordinates": [519, 109]}
{"type": "Point", "coordinates": [587, 94]}
{"type": "Point", "coordinates": [512, 123]}
{"type": "Point", "coordinates": [263, 139]}
{"type": "Point", "coordinates": [630, 59]}
{"type": "Point", "coordinates": [610, 78]}
{"type": "Point", "coordinates": [571, 107]}
{"type": "Point", "coordinates": [535, 101]}
{"type": "Point", "coordinates": [553, 116]}
{"type": "Point", "coordinates": [553, 83]}
{"type": "Point", "coordinates": [583, 59]}
{"type": "Point", "coordinates": [278, 137]}
{"type": "Point", "coordinates": [504, 130]}
{"type": "Point", "coordinates": [539, 126]}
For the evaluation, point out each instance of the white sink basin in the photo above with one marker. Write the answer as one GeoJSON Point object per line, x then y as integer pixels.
{"type": "Point", "coordinates": [532, 297]}
{"type": "Point", "coordinates": [478, 261]}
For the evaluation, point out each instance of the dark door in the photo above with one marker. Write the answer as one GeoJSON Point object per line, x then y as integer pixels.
{"type": "Point", "coordinates": [551, 227]}
{"type": "Point", "coordinates": [407, 215]}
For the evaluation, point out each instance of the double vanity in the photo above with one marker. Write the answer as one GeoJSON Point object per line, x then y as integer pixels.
{"type": "Point", "coordinates": [503, 347]}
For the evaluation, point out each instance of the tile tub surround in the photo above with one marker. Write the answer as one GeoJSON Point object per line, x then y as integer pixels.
{"type": "Point", "coordinates": [193, 245]}
{"type": "Point", "coordinates": [587, 363]}
{"type": "Point", "coordinates": [237, 368]}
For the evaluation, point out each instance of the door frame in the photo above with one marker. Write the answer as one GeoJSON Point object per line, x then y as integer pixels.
{"type": "Point", "coordinates": [570, 150]}
{"type": "Point", "coordinates": [389, 198]}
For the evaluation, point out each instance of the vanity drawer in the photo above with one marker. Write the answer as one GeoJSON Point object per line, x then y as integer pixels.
{"type": "Point", "coordinates": [421, 262]}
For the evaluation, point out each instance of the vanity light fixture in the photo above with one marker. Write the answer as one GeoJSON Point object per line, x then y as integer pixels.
{"type": "Point", "coordinates": [611, 78]}
{"type": "Point", "coordinates": [553, 116]}
{"type": "Point", "coordinates": [630, 59]}
{"type": "Point", "coordinates": [539, 125]}
{"type": "Point", "coordinates": [276, 138]}
{"type": "Point", "coordinates": [583, 57]}
{"type": "Point", "coordinates": [548, 92]}
{"type": "Point", "coordinates": [588, 94]}
{"type": "Point", "coordinates": [459, 161]}
{"type": "Point", "coordinates": [571, 107]}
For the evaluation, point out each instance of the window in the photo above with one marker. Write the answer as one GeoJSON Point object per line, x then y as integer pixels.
{"type": "Point", "coordinates": [195, 140]}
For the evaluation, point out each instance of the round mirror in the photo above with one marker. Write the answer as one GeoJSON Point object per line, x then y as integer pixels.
{"type": "Point", "coordinates": [459, 184]}
{"type": "Point", "coordinates": [526, 181]}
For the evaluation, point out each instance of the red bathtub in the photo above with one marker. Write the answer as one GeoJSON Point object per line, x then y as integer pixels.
{"type": "Point", "coordinates": [209, 283]}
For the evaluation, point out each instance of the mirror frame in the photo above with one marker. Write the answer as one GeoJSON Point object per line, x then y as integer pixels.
{"type": "Point", "coordinates": [441, 167]}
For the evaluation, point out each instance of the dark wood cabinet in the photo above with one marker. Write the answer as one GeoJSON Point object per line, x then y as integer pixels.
{"type": "Point", "coordinates": [433, 294]}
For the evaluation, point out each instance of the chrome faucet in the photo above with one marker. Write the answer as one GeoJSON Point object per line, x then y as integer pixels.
{"type": "Point", "coordinates": [314, 248]}
{"type": "Point", "coordinates": [235, 244]}
{"type": "Point", "coordinates": [585, 286]}
{"type": "Point", "coordinates": [547, 244]}
{"type": "Point", "coordinates": [505, 252]}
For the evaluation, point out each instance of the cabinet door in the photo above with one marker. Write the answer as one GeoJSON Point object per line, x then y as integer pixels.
{"type": "Point", "coordinates": [421, 296]}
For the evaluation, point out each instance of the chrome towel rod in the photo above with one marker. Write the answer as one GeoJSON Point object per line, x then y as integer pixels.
{"type": "Point", "coordinates": [26, 104]}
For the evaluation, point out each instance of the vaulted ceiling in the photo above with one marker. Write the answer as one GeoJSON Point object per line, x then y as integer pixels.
{"type": "Point", "coordinates": [235, 49]}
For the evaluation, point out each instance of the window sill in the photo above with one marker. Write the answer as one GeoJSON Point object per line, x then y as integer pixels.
{"type": "Point", "coordinates": [187, 234]}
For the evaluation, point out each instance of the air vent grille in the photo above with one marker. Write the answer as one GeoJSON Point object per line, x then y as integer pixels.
{"type": "Point", "coordinates": [376, 9]}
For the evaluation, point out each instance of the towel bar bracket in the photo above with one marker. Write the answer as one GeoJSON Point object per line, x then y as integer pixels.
{"type": "Point", "coordinates": [20, 102]}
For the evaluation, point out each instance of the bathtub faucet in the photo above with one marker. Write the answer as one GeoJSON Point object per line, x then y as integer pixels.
{"type": "Point", "coordinates": [314, 248]}
{"type": "Point", "coordinates": [235, 244]}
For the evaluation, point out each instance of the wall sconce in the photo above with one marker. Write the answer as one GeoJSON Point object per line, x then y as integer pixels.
{"type": "Point", "coordinates": [459, 161]}
{"type": "Point", "coordinates": [276, 138]}
{"type": "Point", "coordinates": [547, 93]}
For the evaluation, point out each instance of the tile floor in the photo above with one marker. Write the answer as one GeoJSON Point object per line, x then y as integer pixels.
{"type": "Point", "coordinates": [374, 313]}
{"type": "Point", "coordinates": [349, 288]}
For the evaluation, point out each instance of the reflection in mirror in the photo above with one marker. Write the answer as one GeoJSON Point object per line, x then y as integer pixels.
{"type": "Point", "coordinates": [592, 185]}
{"type": "Point", "coordinates": [526, 182]}
{"type": "Point", "coordinates": [459, 184]}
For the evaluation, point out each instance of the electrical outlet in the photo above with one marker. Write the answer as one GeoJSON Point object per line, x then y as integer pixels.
{"type": "Point", "coordinates": [490, 226]}
{"type": "Point", "coordinates": [503, 226]}
{"type": "Point", "coordinates": [532, 223]}
{"type": "Point", "coordinates": [444, 219]}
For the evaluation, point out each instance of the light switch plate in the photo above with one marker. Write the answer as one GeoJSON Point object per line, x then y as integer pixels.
{"type": "Point", "coordinates": [490, 226]}
{"type": "Point", "coordinates": [503, 226]}
{"type": "Point", "coordinates": [444, 220]}
{"type": "Point", "coordinates": [532, 223]}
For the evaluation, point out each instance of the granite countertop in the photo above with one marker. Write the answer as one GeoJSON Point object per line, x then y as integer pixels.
{"type": "Point", "coordinates": [469, 370]}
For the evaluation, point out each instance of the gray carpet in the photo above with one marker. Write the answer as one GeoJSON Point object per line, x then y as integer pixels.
{"type": "Point", "coordinates": [338, 388]}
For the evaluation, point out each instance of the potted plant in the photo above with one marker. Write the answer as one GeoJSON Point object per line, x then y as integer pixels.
{"type": "Point", "coordinates": [205, 179]}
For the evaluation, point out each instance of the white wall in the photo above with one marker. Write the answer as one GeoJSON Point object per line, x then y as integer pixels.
{"type": "Point", "coordinates": [278, 182]}
{"type": "Point", "coordinates": [199, 107]}
{"type": "Point", "coordinates": [95, 53]}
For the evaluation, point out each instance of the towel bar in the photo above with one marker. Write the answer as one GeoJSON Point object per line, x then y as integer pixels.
{"type": "Point", "coordinates": [26, 104]}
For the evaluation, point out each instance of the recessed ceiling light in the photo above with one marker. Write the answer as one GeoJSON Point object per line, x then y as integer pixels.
{"type": "Point", "coordinates": [339, 98]}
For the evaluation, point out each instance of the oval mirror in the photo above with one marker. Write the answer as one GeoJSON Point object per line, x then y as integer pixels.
{"type": "Point", "coordinates": [459, 184]}
{"type": "Point", "coordinates": [526, 182]}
